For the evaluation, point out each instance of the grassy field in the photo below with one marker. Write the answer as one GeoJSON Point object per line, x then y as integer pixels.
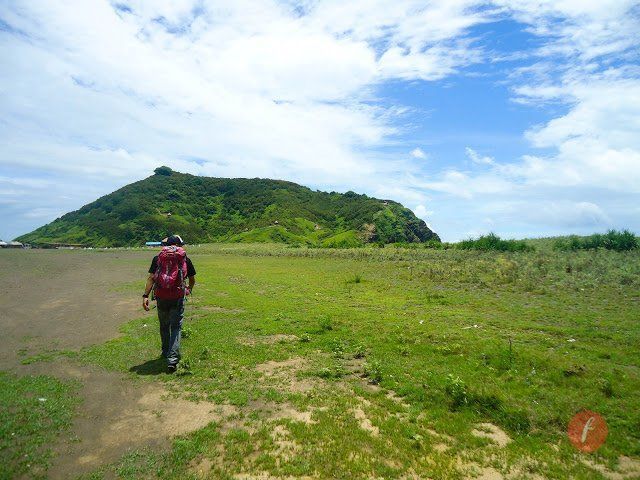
{"type": "Point", "coordinates": [393, 363]}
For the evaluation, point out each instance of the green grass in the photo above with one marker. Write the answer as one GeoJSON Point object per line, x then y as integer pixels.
{"type": "Point", "coordinates": [34, 410]}
{"type": "Point", "coordinates": [523, 340]}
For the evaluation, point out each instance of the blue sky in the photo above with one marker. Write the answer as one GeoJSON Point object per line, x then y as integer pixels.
{"type": "Point", "coordinates": [518, 117]}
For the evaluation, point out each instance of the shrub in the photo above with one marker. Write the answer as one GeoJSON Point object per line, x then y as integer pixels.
{"type": "Point", "coordinates": [612, 240]}
{"type": "Point", "coordinates": [495, 243]}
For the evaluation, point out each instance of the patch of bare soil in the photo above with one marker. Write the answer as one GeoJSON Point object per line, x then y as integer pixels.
{"type": "Point", "coordinates": [134, 415]}
{"type": "Point", "coordinates": [364, 421]}
{"type": "Point", "coordinates": [493, 433]}
{"type": "Point", "coordinates": [201, 467]}
{"type": "Point", "coordinates": [280, 411]}
{"type": "Point", "coordinates": [285, 375]}
{"type": "Point", "coordinates": [65, 299]}
{"type": "Point", "coordinates": [286, 448]}
{"type": "Point", "coordinates": [627, 468]}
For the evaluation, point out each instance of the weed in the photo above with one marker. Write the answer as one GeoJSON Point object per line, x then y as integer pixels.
{"type": "Point", "coordinates": [373, 371]}
{"type": "Point", "coordinates": [606, 387]}
{"type": "Point", "coordinates": [305, 338]}
{"type": "Point", "coordinates": [449, 349]}
{"type": "Point", "coordinates": [186, 332]}
{"type": "Point", "coordinates": [185, 366]}
{"type": "Point", "coordinates": [338, 348]}
{"type": "Point", "coordinates": [335, 371]}
{"type": "Point", "coordinates": [359, 350]}
{"type": "Point", "coordinates": [325, 324]}
{"type": "Point", "coordinates": [357, 278]}
{"type": "Point", "coordinates": [457, 390]}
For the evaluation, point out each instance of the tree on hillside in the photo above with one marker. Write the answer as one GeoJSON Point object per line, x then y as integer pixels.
{"type": "Point", "coordinates": [166, 171]}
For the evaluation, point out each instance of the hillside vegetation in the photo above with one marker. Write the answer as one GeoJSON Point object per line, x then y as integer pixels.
{"type": "Point", "coordinates": [205, 209]}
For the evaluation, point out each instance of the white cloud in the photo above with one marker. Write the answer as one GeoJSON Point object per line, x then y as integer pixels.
{"type": "Point", "coordinates": [418, 153]}
{"type": "Point", "coordinates": [422, 212]}
{"type": "Point", "coordinates": [475, 157]}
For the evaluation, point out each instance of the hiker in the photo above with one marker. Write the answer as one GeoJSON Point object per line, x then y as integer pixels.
{"type": "Point", "coordinates": [167, 279]}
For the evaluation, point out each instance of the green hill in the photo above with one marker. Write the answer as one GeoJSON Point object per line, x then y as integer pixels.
{"type": "Point", "coordinates": [205, 209]}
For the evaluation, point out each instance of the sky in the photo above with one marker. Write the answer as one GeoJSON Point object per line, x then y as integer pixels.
{"type": "Point", "coordinates": [519, 117]}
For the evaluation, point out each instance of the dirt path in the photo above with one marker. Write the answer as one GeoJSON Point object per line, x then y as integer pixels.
{"type": "Point", "coordinates": [55, 299]}
{"type": "Point", "coordinates": [65, 300]}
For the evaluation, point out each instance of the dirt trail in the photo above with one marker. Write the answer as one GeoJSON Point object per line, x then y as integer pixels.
{"type": "Point", "coordinates": [55, 299]}
{"type": "Point", "coordinates": [65, 300]}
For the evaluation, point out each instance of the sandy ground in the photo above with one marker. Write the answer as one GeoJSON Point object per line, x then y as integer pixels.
{"type": "Point", "coordinates": [66, 300]}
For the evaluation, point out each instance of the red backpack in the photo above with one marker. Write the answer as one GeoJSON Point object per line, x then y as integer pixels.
{"type": "Point", "coordinates": [170, 273]}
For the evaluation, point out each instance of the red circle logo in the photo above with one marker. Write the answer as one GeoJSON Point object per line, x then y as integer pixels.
{"type": "Point", "coordinates": [587, 431]}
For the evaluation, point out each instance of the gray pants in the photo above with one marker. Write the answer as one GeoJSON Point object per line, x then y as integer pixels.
{"type": "Point", "coordinates": [171, 314]}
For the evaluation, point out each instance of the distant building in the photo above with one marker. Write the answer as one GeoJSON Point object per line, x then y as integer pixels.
{"type": "Point", "coordinates": [14, 245]}
{"type": "Point", "coordinates": [3, 244]}
{"type": "Point", "coordinates": [153, 244]}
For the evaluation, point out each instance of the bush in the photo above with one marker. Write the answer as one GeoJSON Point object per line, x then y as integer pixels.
{"type": "Point", "coordinates": [612, 240]}
{"type": "Point", "coordinates": [495, 243]}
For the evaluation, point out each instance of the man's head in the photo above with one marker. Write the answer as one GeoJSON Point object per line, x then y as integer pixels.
{"type": "Point", "coordinates": [173, 240]}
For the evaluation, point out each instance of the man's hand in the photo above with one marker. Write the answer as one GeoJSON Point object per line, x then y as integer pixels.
{"type": "Point", "coordinates": [145, 304]}
{"type": "Point", "coordinates": [187, 291]}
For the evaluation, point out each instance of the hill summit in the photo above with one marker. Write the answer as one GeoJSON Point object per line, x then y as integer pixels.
{"type": "Point", "coordinates": [209, 209]}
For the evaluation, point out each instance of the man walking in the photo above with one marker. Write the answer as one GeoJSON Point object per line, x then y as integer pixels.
{"type": "Point", "coordinates": [167, 276]}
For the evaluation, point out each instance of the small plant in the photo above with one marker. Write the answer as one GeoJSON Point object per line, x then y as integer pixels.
{"type": "Point", "coordinates": [606, 387]}
{"type": "Point", "coordinates": [359, 351]}
{"type": "Point", "coordinates": [186, 332]}
{"type": "Point", "coordinates": [449, 349]}
{"type": "Point", "coordinates": [204, 354]}
{"type": "Point", "coordinates": [338, 348]}
{"type": "Point", "coordinates": [373, 371]}
{"type": "Point", "coordinates": [357, 278]}
{"type": "Point", "coordinates": [333, 372]}
{"type": "Point", "coordinates": [325, 324]}
{"type": "Point", "coordinates": [403, 350]}
{"type": "Point", "coordinates": [574, 371]}
{"type": "Point", "coordinates": [305, 338]}
{"type": "Point", "coordinates": [457, 390]}
{"type": "Point", "coordinates": [184, 367]}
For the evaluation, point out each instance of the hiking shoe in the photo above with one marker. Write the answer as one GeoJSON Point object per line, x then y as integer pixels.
{"type": "Point", "coordinates": [172, 368]}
